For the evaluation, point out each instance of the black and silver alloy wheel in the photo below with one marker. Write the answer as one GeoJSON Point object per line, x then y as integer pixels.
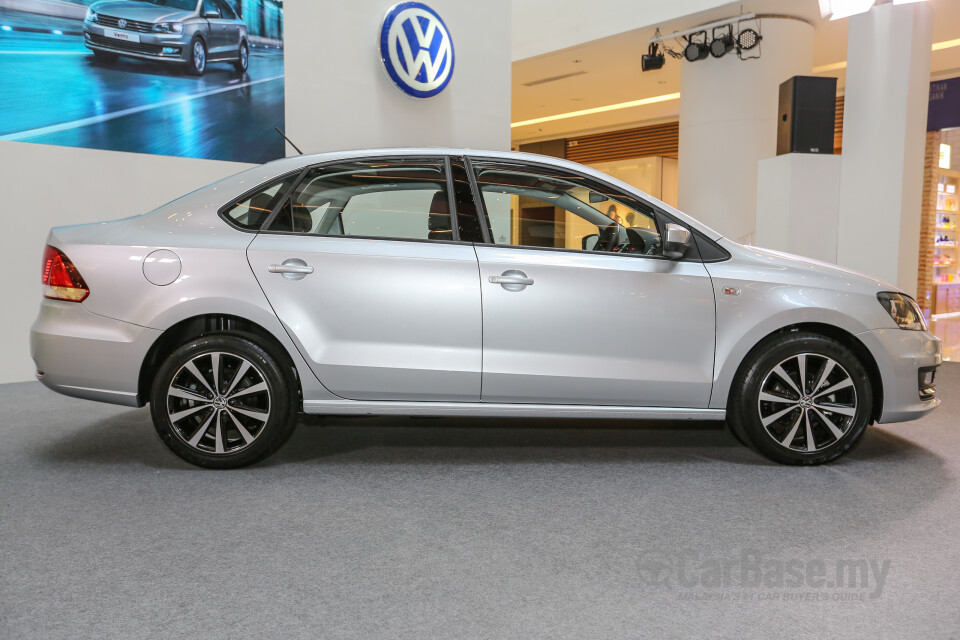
{"type": "Point", "coordinates": [198, 58]}
{"type": "Point", "coordinates": [801, 398]}
{"type": "Point", "coordinates": [807, 402]}
{"type": "Point", "coordinates": [218, 403]}
{"type": "Point", "coordinates": [243, 58]}
{"type": "Point", "coordinates": [224, 401]}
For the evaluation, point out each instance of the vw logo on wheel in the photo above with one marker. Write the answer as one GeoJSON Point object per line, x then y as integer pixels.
{"type": "Point", "coordinates": [121, 23]}
{"type": "Point", "coordinates": [416, 49]}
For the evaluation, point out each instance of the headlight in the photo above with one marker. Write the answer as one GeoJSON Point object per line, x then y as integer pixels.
{"type": "Point", "coordinates": [168, 27]}
{"type": "Point", "coordinates": [904, 310]}
{"type": "Point", "coordinates": [91, 15]}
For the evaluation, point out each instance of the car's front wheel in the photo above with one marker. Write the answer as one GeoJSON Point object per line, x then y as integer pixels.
{"type": "Point", "coordinates": [801, 398]}
{"type": "Point", "coordinates": [243, 58]}
{"type": "Point", "coordinates": [197, 63]}
{"type": "Point", "coordinates": [223, 402]}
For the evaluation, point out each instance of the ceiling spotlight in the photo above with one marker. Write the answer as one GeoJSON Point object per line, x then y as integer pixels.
{"type": "Point", "coordinates": [653, 59]}
{"type": "Point", "coordinates": [696, 50]}
{"type": "Point", "coordinates": [748, 39]}
{"type": "Point", "coordinates": [721, 44]}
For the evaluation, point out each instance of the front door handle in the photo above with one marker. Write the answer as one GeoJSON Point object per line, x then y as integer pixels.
{"type": "Point", "coordinates": [512, 280]}
{"type": "Point", "coordinates": [291, 269]}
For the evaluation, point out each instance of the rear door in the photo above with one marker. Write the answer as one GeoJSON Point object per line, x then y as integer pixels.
{"type": "Point", "coordinates": [363, 265]}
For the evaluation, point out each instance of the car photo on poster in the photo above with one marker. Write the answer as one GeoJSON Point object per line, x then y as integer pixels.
{"type": "Point", "coordinates": [189, 78]}
{"type": "Point", "coordinates": [190, 33]}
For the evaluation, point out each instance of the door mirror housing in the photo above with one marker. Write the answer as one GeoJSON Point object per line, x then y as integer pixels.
{"type": "Point", "coordinates": [676, 241]}
{"type": "Point", "coordinates": [213, 13]}
{"type": "Point", "coordinates": [589, 243]}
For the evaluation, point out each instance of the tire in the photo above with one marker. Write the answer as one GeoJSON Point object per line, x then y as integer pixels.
{"type": "Point", "coordinates": [252, 414]}
{"type": "Point", "coordinates": [104, 56]}
{"type": "Point", "coordinates": [824, 422]}
{"type": "Point", "coordinates": [197, 62]}
{"type": "Point", "coordinates": [243, 58]}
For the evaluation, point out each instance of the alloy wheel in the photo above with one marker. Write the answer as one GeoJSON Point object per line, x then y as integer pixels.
{"type": "Point", "coordinates": [218, 403]}
{"type": "Point", "coordinates": [199, 56]}
{"type": "Point", "coordinates": [244, 56]}
{"type": "Point", "coordinates": [807, 402]}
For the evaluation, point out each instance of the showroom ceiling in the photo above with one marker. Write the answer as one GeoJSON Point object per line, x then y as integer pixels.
{"type": "Point", "coordinates": [607, 71]}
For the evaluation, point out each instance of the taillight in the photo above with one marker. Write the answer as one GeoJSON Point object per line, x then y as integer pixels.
{"type": "Point", "coordinates": [61, 280]}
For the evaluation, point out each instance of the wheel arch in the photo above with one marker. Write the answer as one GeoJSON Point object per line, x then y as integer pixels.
{"type": "Point", "coordinates": [211, 324]}
{"type": "Point", "coordinates": [839, 334]}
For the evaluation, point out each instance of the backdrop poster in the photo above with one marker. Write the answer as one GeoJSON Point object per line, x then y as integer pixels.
{"type": "Point", "coordinates": [191, 78]}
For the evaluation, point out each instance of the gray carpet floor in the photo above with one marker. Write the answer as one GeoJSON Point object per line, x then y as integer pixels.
{"type": "Point", "coordinates": [402, 528]}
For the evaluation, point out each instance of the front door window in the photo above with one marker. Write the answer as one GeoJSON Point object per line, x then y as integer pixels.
{"type": "Point", "coordinates": [532, 208]}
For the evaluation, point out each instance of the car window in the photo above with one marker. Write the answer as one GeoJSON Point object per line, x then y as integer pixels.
{"type": "Point", "coordinates": [253, 211]}
{"type": "Point", "coordinates": [210, 6]}
{"type": "Point", "coordinates": [185, 5]}
{"type": "Point", "coordinates": [404, 199]}
{"type": "Point", "coordinates": [530, 208]}
{"type": "Point", "coordinates": [226, 10]}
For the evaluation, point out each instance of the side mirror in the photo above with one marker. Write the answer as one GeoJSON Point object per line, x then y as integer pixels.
{"type": "Point", "coordinates": [676, 241]}
{"type": "Point", "coordinates": [589, 243]}
{"type": "Point", "coordinates": [213, 13]}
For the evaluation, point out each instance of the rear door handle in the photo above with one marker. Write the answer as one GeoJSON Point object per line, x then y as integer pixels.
{"type": "Point", "coordinates": [291, 269]}
{"type": "Point", "coordinates": [512, 280]}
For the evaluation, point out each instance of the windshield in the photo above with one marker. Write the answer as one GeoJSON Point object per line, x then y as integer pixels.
{"type": "Point", "coordinates": [186, 5]}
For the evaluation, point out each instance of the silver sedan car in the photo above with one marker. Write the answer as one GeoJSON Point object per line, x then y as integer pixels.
{"type": "Point", "coordinates": [444, 282]}
{"type": "Point", "coordinates": [189, 33]}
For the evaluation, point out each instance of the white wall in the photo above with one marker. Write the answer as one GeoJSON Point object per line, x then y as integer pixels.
{"type": "Point", "coordinates": [728, 123]}
{"type": "Point", "coordinates": [339, 96]}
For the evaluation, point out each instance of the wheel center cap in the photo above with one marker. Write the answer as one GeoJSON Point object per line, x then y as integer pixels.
{"type": "Point", "coordinates": [220, 402]}
{"type": "Point", "coordinates": [806, 402]}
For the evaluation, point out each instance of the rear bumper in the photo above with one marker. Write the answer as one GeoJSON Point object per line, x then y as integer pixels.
{"type": "Point", "coordinates": [900, 355]}
{"type": "Point", "coordinates": [88, 356]}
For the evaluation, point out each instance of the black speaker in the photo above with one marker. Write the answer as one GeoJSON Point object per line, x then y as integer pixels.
{"type": "Point", "coordinates": [807, 110]}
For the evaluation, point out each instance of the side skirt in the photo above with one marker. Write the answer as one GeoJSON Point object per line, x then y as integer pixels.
{"type": "Point", "coordinates": [374, 408]}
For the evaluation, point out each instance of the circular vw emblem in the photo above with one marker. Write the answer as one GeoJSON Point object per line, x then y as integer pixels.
{"type": "Point", "coordinates": [122, 23]}
{"type": "Point", "coordinates": [416, 49]}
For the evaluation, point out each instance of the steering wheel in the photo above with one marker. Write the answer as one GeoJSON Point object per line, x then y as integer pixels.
{"type": "Point", "coordinates": [634, 243]}
{"type": "Point", "coordinates": [607, 238]}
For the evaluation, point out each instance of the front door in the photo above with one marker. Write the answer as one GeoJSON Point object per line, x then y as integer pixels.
{"type": "Point", "coordinates": [579, 305]}
{"type": "Point", "coordinates": [362, 266]}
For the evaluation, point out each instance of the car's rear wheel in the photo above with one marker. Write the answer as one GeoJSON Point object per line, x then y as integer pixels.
{"type": "Point", "coordinates": [197, 63]}
{"type": "Point", "coordinates": [801, 398]}
{"type": "Point", "coordinates": [243, 58]}
{"type": "Point", "coordinates": [104, 56]}
{"type": "Point", "coordinates": [223, 402]}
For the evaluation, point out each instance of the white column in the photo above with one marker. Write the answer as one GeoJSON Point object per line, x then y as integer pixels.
{"type": "Point", "coordinates": [338, 95]}
{"type": "Point", "coordinates": [728, 122]}
{"type": "Point", "coordinates": [884, 123]}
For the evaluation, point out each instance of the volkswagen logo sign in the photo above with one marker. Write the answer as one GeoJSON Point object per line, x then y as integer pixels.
{"type": "Point", "coordinates": [122, 23]}
{"type": "Point", "coordinates": [416, 49]}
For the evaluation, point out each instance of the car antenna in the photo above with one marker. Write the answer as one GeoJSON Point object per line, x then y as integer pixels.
{"type": "Point", "coordinates": [288, 140]}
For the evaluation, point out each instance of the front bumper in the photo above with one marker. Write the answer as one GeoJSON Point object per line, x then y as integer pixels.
{"type": "Point", "coordinates": [900, 355]}
{"type": "Point", "coordinates": [85, 355]}
{"type": "Point", "coordinates": [170, 47]}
